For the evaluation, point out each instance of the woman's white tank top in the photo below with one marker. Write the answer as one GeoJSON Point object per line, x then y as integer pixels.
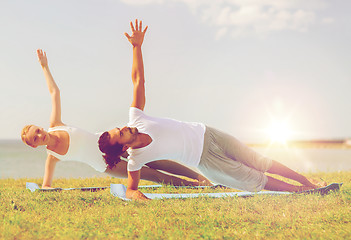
{"type": "Point", "coordinates": [83, 147]}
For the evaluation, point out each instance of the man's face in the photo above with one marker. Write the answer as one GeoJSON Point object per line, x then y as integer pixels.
{"type": "Point", "coordinates": [123, 136]}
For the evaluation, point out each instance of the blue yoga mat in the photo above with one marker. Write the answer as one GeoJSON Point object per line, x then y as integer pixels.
{"type": "Point", "coordinates": [119, 190]}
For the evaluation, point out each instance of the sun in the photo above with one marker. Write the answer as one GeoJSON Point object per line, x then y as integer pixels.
{"type": "Point", "coordinates": [279, 132]}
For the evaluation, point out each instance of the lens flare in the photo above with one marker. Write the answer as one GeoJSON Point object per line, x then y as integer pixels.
{"type": "Point", "coordinates": [279, 132]}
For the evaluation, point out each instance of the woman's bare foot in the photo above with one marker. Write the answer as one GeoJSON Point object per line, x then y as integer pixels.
{"type": "Point", "coordinates": [319, 183]}
{"type": "Point", "coordinates": [204, 181]}
{"type": "Point", "coordinates": [304, 188]}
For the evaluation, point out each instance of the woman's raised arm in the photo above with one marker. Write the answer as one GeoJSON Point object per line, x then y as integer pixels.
{"type": "Point", "coordinates": [55, 118]}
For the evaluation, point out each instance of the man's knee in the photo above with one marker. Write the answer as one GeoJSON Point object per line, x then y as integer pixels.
{"type": "Point", "coordinates": [256, 186]}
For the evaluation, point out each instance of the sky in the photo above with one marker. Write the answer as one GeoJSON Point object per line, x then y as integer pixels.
{"type": "Point", "coordinates": [236, 65]}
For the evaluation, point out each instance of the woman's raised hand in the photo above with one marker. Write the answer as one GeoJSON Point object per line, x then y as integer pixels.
{"type": "Point", "coordinates": [42, 58]}
{"type": "Point", "coordinates": [137, 37]}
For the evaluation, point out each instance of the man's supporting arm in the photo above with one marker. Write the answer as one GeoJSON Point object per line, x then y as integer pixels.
{"type": "Point", "coordinates": [132, 188]}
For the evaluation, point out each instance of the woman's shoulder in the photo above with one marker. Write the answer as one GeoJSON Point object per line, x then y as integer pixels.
{"type": "Point", "coordinates": [59, 124]}
{"type": "Point", "coordinates": [58, 127]}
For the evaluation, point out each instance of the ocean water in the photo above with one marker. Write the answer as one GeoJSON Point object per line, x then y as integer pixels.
{"type": "Point", "coordinates": [306, 160]}
{"type": "Point", "coordinates": [20, 161]}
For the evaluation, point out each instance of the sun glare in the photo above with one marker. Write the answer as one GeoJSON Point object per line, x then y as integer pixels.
{"type": "Point", "coordinates": [279, 132]}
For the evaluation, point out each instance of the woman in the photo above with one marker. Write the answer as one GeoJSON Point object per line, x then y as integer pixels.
{"type": "Point", "coordinates": [68, 143]}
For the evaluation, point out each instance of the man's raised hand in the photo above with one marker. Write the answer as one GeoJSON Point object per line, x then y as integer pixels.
{"type": "Point", "coordinates": [137, 37]}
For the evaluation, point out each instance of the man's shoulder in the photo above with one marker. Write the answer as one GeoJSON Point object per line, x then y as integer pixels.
{"type": "Point", "coordinates": [135, 114]}
{"type": "Point", "coordinates": [133, 164]}
{"type": "Point", "coordinates": [135, 109]}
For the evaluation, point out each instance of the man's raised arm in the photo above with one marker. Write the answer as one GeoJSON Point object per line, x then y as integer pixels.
{"type": "Point", "coordinates": [136, 39]}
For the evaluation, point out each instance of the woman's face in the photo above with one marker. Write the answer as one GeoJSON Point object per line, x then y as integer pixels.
{"type": "Point", "coordinates": [37, 136]}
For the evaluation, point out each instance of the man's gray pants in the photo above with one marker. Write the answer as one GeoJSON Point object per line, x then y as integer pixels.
{"type": "Point", "coordinates": [228, 162]}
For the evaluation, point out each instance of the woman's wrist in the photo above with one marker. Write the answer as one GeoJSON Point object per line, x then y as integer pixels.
{"type": "Point", "coordinates": [45, 67]}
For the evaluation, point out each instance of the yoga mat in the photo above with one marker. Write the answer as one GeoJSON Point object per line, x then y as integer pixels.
{"type": "Point", "coordinates": [34, 187]}
{"type": "Point", "coordinates": [324, 190]}
{"type": "Point", "coordinates": [119, 190]}
{"type": "Point", "coordinates": [192, 187]}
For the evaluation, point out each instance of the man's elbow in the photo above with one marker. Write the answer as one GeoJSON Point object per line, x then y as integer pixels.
{"type": "Point", "coordinates": [138, 79]}
{"type": "Point", "coordinates": [55, 92]}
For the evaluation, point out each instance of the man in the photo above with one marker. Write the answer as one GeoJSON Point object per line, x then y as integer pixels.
{"type": "Point", "coordinates": [219, 156]}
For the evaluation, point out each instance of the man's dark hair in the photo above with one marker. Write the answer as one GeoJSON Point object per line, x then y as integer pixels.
{"type": "Point", "coordinates": [112, 152]}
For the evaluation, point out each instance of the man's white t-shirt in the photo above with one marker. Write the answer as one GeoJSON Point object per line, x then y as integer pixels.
{"type": "Point", "coordinates": [171, 139]}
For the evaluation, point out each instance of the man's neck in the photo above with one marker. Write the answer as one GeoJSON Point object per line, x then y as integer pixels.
{"type": "Point", "coordinates": [142, 140]}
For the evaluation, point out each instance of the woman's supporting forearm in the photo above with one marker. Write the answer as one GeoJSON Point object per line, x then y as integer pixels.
{"type": "Point", "coordinates": [161, 178]}
{"type": "Point", "coordinates": [174, 168]}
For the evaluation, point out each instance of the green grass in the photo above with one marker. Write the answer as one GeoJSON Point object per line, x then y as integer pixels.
{"type": "Point", "coordinates": [99, 215]}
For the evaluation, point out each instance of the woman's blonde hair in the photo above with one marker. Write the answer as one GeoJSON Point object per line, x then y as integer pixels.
{"type": "Point", "coordinates": [24, 133]}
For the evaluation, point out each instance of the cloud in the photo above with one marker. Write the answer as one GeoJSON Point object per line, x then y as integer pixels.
{"type": "Point", "coordinates": [328, 20]}
{"type": "Point", "coordinates": [142, 2]}
{"type": "Point", "coordinates": [240, 18]}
